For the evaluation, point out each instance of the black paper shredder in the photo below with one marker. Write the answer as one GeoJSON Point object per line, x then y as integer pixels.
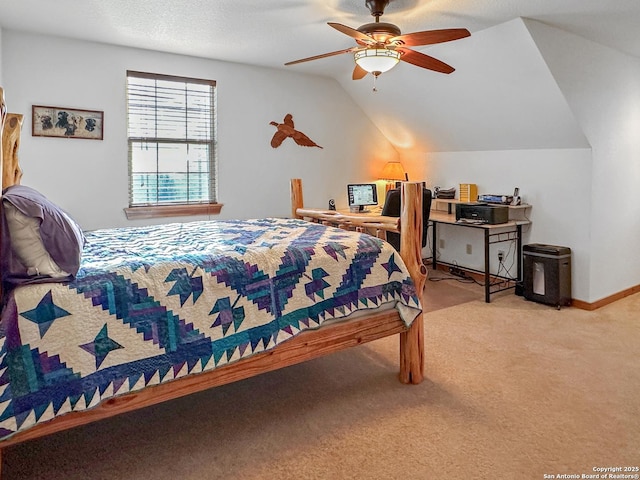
{"type": "Point", "coordinates": [547, 274]}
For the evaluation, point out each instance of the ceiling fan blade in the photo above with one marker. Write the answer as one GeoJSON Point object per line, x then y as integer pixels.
{"type": "Point", "coordinates": [352, 32]}
{"type": "Point", "coordinates": [359, 73]}
{"type": "Point", "coordinates": [430, 37]}
{"type": "Point", "coordinates": [424, 61]}
{"type": "Point", "coordinates": [316, 57]}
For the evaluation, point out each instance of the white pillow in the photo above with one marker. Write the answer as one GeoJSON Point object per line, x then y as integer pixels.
{"type": "Point", "coordinates": [27, 244]}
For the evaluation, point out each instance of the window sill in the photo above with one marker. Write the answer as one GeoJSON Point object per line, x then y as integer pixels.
{"type": "Point", "coordinates": [134, 213]}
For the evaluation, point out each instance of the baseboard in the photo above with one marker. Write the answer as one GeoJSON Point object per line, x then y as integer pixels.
{"type": "Point", "coordinates": [574, 302]}
{"type": "Point", "coordinates": [606, 300]}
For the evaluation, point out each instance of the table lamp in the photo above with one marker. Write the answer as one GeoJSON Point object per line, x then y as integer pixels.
{"type": "Point", "coordinates": [392, 172]}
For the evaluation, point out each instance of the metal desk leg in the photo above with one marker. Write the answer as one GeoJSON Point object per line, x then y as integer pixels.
{"type": "Point", "coordinates": [487, 285]}
{"type": "Point", "coordinates": [519, 251]}
{"type": "Point", "coordinates": [433, 245]}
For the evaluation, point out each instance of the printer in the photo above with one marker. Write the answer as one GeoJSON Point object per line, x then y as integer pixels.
{"type": "Point", "coordinates": [482, 213]}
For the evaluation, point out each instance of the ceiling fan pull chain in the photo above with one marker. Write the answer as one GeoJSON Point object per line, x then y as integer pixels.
{"type": "Point", "coordinates": [375, 78]}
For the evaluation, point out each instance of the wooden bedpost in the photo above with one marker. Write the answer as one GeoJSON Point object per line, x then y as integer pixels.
{"type": "Point", "coordinates": [296, 197]}
{"type": "Point", "coordinates": [412, 341]}
{"type": "Point", "coordinates": [11, 173]}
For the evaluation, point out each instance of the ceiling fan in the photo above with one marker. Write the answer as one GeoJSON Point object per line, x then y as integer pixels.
{"type": "Point", "coordinates": [380, 46]}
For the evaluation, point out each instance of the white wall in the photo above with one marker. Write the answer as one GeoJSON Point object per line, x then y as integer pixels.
{"type": "Point", "coordinates": [500, 97]}
{"type": "Point", "coordinates": [555, 182]}
{"type": "Point", "coordinates": [513, 127]}
{"type": "Point", "coordinates": [582, 194]}
{"type": "Point", "coordinates": [559, 119]}
{"type": "Point", "coordinates": [89, 178]}
{"type": "Point", "coordinates": [602, 86]}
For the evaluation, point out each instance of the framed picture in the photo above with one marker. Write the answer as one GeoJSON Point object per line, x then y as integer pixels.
{"type": "Point", "coordinates": [66, 122]}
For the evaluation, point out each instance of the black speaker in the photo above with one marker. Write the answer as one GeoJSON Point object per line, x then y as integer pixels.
{"type": "Point", "coordinates": [332, 204]}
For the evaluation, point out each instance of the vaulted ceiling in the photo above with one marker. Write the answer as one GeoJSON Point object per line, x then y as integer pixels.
{"type": "Point", "coordinates": [272, 32]}
{"type": "Point", "coordinates": [499, 74]}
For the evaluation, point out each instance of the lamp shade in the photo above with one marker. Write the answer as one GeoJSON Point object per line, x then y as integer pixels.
{"type": "Point", "coordinates": [376, 59]}
{"type": "Point", "coordinates": [393, 171]}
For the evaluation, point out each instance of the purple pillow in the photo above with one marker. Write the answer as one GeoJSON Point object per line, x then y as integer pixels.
{"type": "Point", "coordinates": [61, 237]}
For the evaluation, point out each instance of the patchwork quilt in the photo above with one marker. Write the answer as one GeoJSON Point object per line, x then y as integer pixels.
{"type": "Point", "coordinates": [151, 304]}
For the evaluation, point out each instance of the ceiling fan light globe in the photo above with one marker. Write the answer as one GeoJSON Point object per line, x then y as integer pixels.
{"type": "Point", "coordinates": [377, 60]}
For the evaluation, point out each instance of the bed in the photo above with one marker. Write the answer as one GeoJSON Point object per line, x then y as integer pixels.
{"type": "Point", "coordinates": [155, 313]}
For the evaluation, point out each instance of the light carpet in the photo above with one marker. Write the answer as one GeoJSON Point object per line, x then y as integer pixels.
{"type": "Point", "coordinates": [513, 389]}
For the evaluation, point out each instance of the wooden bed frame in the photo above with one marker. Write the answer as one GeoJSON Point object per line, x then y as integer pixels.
{"type": "Point", "coordinates": [303, 347]}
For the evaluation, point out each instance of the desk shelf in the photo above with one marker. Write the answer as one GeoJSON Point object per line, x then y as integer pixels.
{"type": "Point", "coordinates": [501, 232]}
{"type": "Point", "coordinates": [515, 211]}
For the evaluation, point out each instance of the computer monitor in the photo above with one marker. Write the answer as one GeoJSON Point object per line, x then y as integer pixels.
{"type": "Point", "coordinates": [361, 195]}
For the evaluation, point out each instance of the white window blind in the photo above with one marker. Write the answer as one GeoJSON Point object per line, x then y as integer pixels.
{"type": "Point", "coordinates": [172, 140]}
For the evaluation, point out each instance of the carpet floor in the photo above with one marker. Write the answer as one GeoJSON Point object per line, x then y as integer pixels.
{"type": "Point", "coordinates": [513, 389]}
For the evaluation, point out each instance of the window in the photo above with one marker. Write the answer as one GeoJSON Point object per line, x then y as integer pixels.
{"type": "Point", "coordinates": [171, 130]}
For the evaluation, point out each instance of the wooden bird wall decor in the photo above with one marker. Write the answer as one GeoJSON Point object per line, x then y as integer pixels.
{"type": "Point", "coordinates": [286, 129]}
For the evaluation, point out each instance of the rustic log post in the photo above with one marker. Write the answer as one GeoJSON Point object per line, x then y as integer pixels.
{"type": "Point", "coordinates": [11, 173]}
{"type": "Point", "coordinates": [412, 341]}
{"type": "Point", "coordinates": [297, 201]}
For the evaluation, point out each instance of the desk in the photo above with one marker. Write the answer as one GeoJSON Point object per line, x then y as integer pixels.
{"type": "Point", "coordinates": [503, 232]}
{"type": "Point", "coordinates": [358, 221]}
